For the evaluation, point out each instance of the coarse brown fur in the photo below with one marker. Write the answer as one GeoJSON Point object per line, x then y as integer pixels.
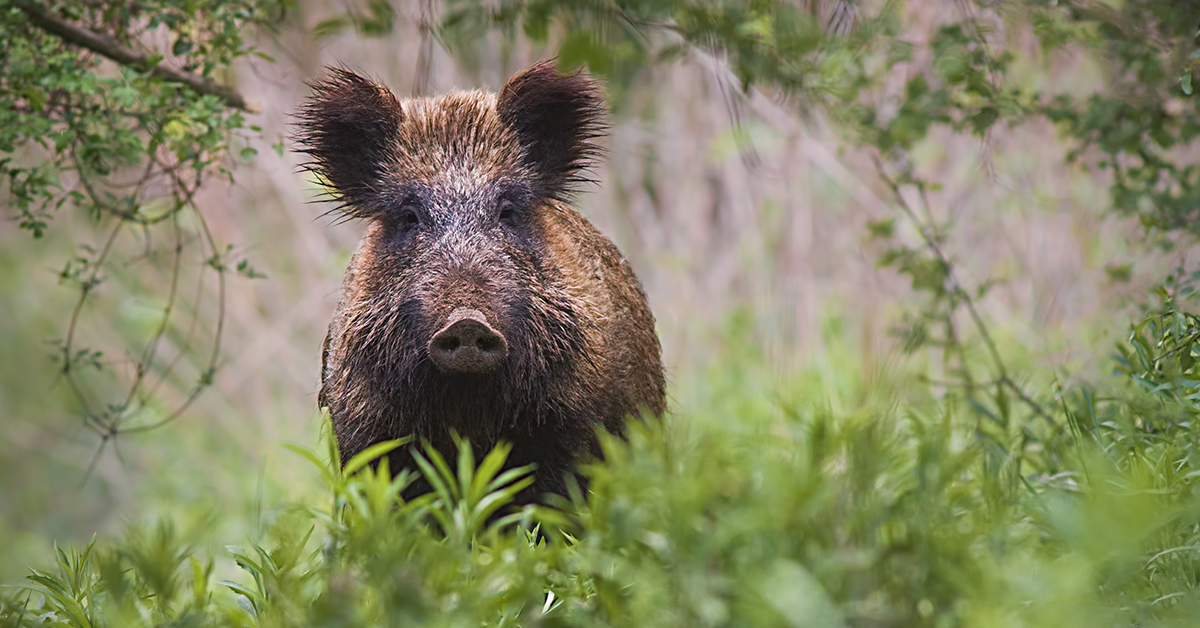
{"type": "Point", "coordinates": [466, 195]}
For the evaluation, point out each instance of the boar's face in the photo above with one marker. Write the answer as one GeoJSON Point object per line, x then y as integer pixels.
{"type": "Point", "coordinates": [451, 312]}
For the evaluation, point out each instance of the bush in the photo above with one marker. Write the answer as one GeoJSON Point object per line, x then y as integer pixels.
{"type": "Point", "coordinates": [753, 513]}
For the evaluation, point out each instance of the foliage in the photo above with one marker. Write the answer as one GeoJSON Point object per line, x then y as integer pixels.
{"type": "Point", "coordinates": [777, 44]}
{"type": "Point", "coordinates": [1000, 497]}
{"type": "Point", "coordinates": [1143, 125]}
{"type": "Point", "coordinates": [778, 514]}
{"type": "Point", "coordinates": [87, 120]}
{"type": "Point", "coordinates": [1160, 355]}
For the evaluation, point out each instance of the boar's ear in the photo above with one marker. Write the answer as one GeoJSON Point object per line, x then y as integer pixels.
{"type": "Point", "coordinates": [349, 127]}
{"type": "Point", "coordinates": [556, 117]}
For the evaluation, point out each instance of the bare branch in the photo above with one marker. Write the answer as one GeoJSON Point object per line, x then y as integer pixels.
{"type": "Point", "coordinates": [108, 47]}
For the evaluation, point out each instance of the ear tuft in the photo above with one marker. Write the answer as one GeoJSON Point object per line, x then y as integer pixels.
{"type": "Point", "coordinates": [556, 117]}
{"type": "Point", "coordinates": [349, 126]}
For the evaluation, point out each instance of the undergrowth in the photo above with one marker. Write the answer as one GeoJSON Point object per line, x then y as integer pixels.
{"type": "Point", "coordinates": [767, 508]}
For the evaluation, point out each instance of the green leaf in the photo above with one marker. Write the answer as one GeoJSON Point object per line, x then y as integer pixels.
{"type": "Point", "coordinates": [368, 455]}
{"type": "Point", "coordinates": [882, 229]}
{"type": "Point", "coordinates": [984, 120]}
{"type": "Point", "coordinates": [1119, 273]}
{"type": "Point", "coordinates": [381, 20]}
{"type": "Point", "coordinates": [581, 48]}
{"type": "Point", "coordinates": [330, 27]}
{"type": "Point", "coordinates": [181, 47]}
{"type": "Point", "coordinates": [240, 588]}
{"type": "Point", "coordinates": [175, 129]}
{"type": "Point", "coordinates": [536, 22]}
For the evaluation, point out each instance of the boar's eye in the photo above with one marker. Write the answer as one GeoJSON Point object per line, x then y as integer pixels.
{"type": "Point", "coordinates": [407, 217]}
{"type": "Point", "coordinates": [508, 211]}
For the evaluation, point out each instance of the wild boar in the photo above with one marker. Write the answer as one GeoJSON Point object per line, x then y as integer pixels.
{"type": "Point", "coordinates": [478, 301]}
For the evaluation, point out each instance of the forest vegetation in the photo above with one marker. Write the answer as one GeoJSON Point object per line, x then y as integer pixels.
{"type": "Point", "coordinates": [925, 276]}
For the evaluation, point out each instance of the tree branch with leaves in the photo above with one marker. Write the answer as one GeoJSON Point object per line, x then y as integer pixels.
{"type": "Point", "coordinates": [96, 119]}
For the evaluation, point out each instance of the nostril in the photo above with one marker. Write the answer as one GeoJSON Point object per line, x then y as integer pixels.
{"type": "Point", "coordinates": [447, 342]}
{"type": "Point", "coordinates": [488, 343]}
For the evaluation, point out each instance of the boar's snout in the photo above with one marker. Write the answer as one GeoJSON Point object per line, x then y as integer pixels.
{"type": "Point", "coordinates": [467, 344]}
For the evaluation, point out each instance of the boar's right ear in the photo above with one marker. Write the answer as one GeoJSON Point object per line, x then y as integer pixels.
{"type": "Point", "coordinates": [349, 127]}
{"type": "Point", "coordinates": [556, 118]}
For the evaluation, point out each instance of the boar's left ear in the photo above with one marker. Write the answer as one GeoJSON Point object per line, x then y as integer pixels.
{"type": "Point", "coordinates": [556, 117]}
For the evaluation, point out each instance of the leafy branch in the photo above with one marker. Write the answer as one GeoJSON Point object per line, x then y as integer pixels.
{"type": "Point", "coordinates": [130, 150]}
{"type": "Point", "coordinates": [108, 47]}
{"type": "Point", "coordinates": [959, 295]}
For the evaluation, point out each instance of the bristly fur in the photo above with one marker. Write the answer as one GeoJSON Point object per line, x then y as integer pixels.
{"type": "Point", "coordinates": [557, 118]}
{"type": "Point", "coordinates": [349, 128]}
{"type": "Point", "coordinates": [363, 141]}
{"type": "Point", "coordinates": [463, 194]}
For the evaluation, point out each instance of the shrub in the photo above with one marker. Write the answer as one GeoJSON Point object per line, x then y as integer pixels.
{"type": "Point", "coordinates": [750, 513]}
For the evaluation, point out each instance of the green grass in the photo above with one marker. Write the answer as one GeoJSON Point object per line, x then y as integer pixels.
{"type": "Point", "coordinates": [827, 497]}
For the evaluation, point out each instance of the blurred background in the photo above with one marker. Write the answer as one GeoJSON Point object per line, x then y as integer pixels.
{"type": "Point", "coordinates": [747, 225]}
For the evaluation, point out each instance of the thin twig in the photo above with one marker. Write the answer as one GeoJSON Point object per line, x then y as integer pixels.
{"type": "Point", "coordinates": [151, 349]}
{"type": "Point", "coordinates": [931, 243]}
{"type": "Point", "coordinates": [1029, 401]}
{"type": "Point", "coordinates": [186, 345]}
{"type": "Point", "coordinates": [104, 439]}
{"type": "Point", "coordinates": [68, 343]}
{"type": "Point", "coordinates": [422, 77]}
{"type": "Point", "coordinates": [1185, 344]}
{"type": "Point", "coordinates": [962, 292]}
{"type": "Point", "coordinates": [957, 289]}
{"type": "Point", "coordinates": [108, 47]}
{"type": "Point", "coordinates": [210, 368]}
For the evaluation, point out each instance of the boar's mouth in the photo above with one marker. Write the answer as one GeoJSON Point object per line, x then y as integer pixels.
{"type": "Point", "coordinates": [467, 343]}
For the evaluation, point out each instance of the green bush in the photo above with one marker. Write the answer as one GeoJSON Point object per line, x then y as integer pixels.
{"type": "Point", "coordinates": [767, 509]}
